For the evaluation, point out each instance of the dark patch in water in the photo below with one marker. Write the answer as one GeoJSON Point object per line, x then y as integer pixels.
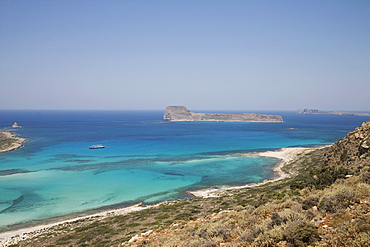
{"type": "Point", "coordinates": [65, 158]}
{"type": "Point", "coordinates": [15, 202]}
{"type": "Point", "coordinates": [12, 171]}
{"type": "Point", "coordinates": [104, 166]}
{"type": "Point", "coordinates": [173, 174]}
{"type": "Point", "coordinates": [78, 161]}
{"type": "Point", "coordinates": [70, 156]}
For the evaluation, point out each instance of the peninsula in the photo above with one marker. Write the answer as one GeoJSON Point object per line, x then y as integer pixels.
{"type": "Point", "coordinates": [181, 113]}
{"type": "Point", "coordinates": [315, 111]}
{"type": "Point", "coordinates": [9, 142]}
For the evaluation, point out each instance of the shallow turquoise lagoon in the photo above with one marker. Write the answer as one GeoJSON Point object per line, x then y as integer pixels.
{"type": "Point", "coordinates": [145, 159]}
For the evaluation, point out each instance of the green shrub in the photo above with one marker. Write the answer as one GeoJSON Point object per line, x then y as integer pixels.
{"type": "Point", "coordinates": [301, 233]}
{"type": "Point", "coordinates": [209, 244]}
{"type": "Point", "coordinates": [340, 217]}
{"type": "Point", "coordinates": [269, 238]}
{"type": "Point", "coordinates": [362, 190]}
{"type": "Point", "coordinates": [289, 216]}
{"type": "Point", "coordinates": [219, 231]}
{"type": "Point", "coordinates": [276, 219]}
{"type": "Point", "coordinates": [310, 201]}
{"type": "Point", "coordinates": [162, 217]}
{"type": "Point", "coordinates": [354, 234]}
{"type": "Point", "coordinates": [132, 224]}
{"type": "Point", "coordinates": [338, 198]}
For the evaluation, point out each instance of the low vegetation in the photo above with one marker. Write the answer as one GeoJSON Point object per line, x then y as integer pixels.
{"type": "Point", "coordinates": [6, 142]}
{"type": "Point", "coordinates": [325, 203]}
{"type": "Point", "coordinates": [9, 141]}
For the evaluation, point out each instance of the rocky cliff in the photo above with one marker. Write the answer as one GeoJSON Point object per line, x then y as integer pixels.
{"type": "Point", "coordinates": [315, 111]}
{"type": "Point", "coordinates": [181, 113]}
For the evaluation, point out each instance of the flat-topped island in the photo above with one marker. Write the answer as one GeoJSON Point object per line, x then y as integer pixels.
{"type": "Point", "coordinates": [181, 113]}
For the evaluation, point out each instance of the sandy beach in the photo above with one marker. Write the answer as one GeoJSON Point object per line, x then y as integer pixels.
{"type": "Point", "coordinates": [285, 154]}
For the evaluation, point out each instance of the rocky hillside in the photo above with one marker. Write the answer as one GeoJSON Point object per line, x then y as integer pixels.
{"type": "Point", "coordinates": [181, 113]}
{"type": "Point", "coordinates": [353, 151]}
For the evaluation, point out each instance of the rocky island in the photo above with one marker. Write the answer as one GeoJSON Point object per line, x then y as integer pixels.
{"type": "Point", "coordinates": [315, 111]}
{"type": "Point", "coordinates": [181, 113]}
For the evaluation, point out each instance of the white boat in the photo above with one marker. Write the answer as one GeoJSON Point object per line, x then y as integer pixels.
{"type": "Point", "coordinates": [96, 146]}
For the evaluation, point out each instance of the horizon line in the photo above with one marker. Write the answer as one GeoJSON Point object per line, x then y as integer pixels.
{"type": "Point", "coordinates": [66, 109]}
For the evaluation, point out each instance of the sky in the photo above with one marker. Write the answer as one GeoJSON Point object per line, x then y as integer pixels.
{"type": "Point", "coordinates": [209, 54]}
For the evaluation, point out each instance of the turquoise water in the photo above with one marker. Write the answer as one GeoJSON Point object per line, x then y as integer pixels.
{"type": "Point", "coordinates": [145, 159]}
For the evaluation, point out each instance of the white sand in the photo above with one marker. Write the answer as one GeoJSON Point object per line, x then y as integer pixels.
{"type": "Point", "coordinates": [285, 154]}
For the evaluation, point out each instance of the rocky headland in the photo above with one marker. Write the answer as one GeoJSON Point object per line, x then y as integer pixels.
{"type": "Point", "coordinates": [315, 111]}
{"type": "Point", "coordinates": [181, 113]}
{"type": "Point", "coordinates": [9, 142]}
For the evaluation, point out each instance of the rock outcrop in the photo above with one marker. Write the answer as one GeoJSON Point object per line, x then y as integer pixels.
{"type": "Point", "coordinates": [15, 125]}
{"type": "Point", "coordinates": [352, 151]}
{"type": "Point", "coordinates": [315, 111]}
{"type": "Point", "coordinates": [181, 113]}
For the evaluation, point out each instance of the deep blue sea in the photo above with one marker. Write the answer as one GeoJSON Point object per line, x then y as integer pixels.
{"type": "Point", "coordinates": [145, 160]}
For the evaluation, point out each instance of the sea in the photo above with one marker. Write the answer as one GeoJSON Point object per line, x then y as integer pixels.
{"type": "Point", "coordinates": [145, 159]}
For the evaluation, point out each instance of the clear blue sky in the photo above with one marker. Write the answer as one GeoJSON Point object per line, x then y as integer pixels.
{"type": "Point", "coordinates": [216, 55]}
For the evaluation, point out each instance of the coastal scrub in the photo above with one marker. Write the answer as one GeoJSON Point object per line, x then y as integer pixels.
{"type": "Point", "coordinates": [9, 142]}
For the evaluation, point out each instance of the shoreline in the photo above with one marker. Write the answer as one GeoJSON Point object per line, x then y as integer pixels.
{"type": "Point", "coordinates": [14, 236]}
{"type": "Point", "coordinates": [228, 121]}
{"type": "Point", "coordinates": [286, 155]}
{"type": "Point", "coordinates": [15, 145]}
